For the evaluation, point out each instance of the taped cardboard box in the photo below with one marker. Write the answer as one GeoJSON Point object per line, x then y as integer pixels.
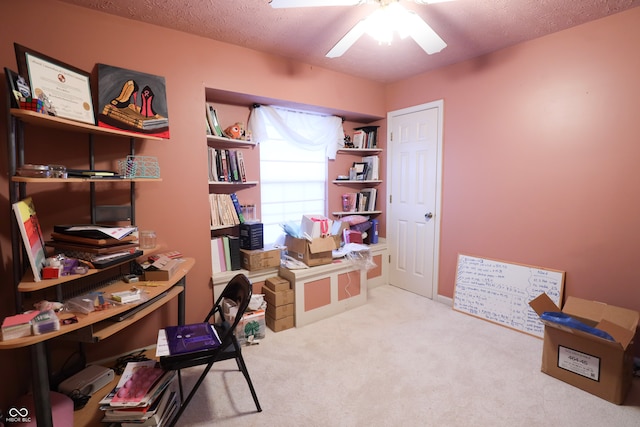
{"type": "Point", "coordinates": [597, 365]}
{"type": "Point", "coordinates": [276, 299]}
{"type": "Point", "coordinates": [312, 253]}
{"type": "Point", "coordinates": [277, 284]}
{"type": "Point", "coordinates": [260, 259]}
{"type": "Point", "coordinates": [277, 325]}
{"type": "Point", "coordinates": [281, 311]}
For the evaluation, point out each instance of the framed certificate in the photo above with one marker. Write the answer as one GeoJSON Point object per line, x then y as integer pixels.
{"type": "Point", "coordinates": [67, 88]}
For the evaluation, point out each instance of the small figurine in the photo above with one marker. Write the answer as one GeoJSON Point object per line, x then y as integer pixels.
{"type": "Point", "coordinates": [235, 131]}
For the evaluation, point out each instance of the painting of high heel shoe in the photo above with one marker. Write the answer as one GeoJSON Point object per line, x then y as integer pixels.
{"type": "Point", "coordinates": [124, 105]}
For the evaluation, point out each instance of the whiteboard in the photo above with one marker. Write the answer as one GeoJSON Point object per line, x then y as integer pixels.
{"type": "Point", "coordinates": [500, 292]}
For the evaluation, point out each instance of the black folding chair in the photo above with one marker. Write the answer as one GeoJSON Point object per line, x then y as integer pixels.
{"type": "Point", "coordinates": [237, 290]}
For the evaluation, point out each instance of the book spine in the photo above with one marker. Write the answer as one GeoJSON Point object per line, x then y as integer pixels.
{"type": "Point", "coordinates": [241, 167]}
{"type": "Point", "coordinates": [238, 208]}
{"type": "Point", "coordinates": [233, 163]}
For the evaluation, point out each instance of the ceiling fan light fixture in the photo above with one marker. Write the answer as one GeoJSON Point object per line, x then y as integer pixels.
{"type": "Point", "coordinates": [391, 18]}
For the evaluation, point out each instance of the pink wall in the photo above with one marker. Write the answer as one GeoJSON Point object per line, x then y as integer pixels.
{"type": "Point", "coordinates": [541, 156]}
{"type": "Point", "coordinates": [177, 208]}
{"type": "Point", "coordinates": [539, 161]}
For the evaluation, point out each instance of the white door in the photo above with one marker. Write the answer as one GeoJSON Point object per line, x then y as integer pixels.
{"type": "Point", "coordinates": [413, 207]}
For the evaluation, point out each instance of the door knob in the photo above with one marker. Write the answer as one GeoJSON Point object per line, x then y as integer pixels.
{"type": "Point", "coordinates": [428, 216]}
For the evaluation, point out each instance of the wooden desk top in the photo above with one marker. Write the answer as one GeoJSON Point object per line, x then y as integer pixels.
{"type": "Point", "coordinates": [106, 329]}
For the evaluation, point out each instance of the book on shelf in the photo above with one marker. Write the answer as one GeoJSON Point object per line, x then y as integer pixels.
{"type": "Point", "coordinates": [241, 166]}
{"type": "Point", "coordinates": [212, 117]}
{"type": "Point", "coordinates": [218, 264]}
{"type": "Point", "coordinates": [18, 326]}
{"type": "Point", "coordinates": [234, 175]}
{"type": "Point", "coordinates": [369, 136]}
{"type": "Point", "coordinates": [91, 173]}
{"type": "Point", "coordinates": [358, 138]}
{"type": "Point", "coordinates": [32, 239]}
{"type": "Point", "coordinates": [373, 166]}
{"type": "Point", "coordinates": [212, 159]}
{"type": "Point", "coordinates": [234, 253]}
{"type": "Point", "coordinates": [227, 252]}
{"type": "Point", "coordinates": [237, 206]}
{"type": "Point", "coordinates": [133, 118]}
{"type": "Point", "coordinates": [224, 160]}
{"type": "Point", "coordinates": [208, 126]}
{"type": "Point", "coordinates": [370, 195]}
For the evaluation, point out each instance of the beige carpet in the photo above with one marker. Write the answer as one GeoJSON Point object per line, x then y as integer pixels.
{"type": "Point", "coordinates": [399, 360]}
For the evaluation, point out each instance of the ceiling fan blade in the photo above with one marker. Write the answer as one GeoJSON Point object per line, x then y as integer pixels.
{"type": "Point", "coordinates": [349, 39]}
{"type": "Point", "coordinates": [281, 4]}
{"type": "Point", "coordinates": [424, 35]}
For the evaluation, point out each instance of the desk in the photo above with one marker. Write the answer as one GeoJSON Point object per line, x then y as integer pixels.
{"type": "Point", "coordinates": [96, 326]}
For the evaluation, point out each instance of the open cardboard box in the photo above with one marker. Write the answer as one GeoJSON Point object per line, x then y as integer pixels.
{"type": "Point", "coordinates": [599, 366]}
{"type": "Point", "coordinates": [315, 252]}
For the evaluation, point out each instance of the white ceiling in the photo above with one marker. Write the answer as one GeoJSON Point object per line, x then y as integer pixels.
{"type": "Point", "coordinates": [469, 27]}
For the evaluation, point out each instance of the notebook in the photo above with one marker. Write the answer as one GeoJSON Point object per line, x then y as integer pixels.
{"type": "Point", "coordinates": [193, 337]}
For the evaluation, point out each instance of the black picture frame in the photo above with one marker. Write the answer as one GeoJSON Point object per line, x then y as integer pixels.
{"type": "Point", "coordinates": [80, 108]}
{"type": "Point", "coordinates": [361, 170]}
{"type": "Point", "coordinates": [16, 85]}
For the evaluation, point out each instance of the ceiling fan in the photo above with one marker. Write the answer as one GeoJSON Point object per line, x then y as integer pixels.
{"type": "Point", "coordinates": [381, 24]}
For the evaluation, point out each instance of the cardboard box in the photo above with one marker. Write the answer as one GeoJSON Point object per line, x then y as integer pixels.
{"type": "Point", "coordinates": [280, 324]}
{"type": "Point", "coordinates": [162, 269]}
{"type": "Point", "coordinates": [253, 324]}
{"type": "Point", "coordinates": [260, 259]}
{"type": "Point", "coordinates": [277, 284]}
{"type": "Point", "coordinates": [312, 253]}
{"type": "Point", "coordinates": [276, 299]}
{"type": "Point", "coordinates": [280, 312]}
{"type": "Point", "coordinates": [594, 364]}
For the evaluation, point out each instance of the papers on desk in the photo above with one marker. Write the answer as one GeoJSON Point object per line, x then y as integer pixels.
{"type": "Point", "coordinates": [113, 232]}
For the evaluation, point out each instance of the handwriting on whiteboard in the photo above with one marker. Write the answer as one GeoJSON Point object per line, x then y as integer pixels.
{"type": "Point", "coordinates": [500, 292]}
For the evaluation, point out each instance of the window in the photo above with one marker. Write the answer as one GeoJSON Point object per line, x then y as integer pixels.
{"type": "Point", "coordinates": [294, 147]}
{"type": "Point", "coordinates": [293, 182]}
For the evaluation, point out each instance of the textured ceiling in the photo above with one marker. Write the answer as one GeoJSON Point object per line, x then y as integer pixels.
{"type": "Point", "coordinates": [469, 27]}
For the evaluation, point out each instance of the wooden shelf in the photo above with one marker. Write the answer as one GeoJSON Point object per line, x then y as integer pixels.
{"type": "Point", "coordinates": [229, 142]}
{"type": "Point", "coordinates": [28, 284]}
{"type": "Point", "coordinates": [39, 119]}
{"type": "Point", "coordinates": [356, 182]}
{"type": "Point", "coordinates": [359, 150]}
{"type": "Point", "coordinates": [356, 213]}
{"type": "Point", "coordinates": [229, 184]}
{"type": "Point", "coordinates": [31, 180]}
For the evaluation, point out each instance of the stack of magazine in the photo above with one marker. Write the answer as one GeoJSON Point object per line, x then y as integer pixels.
{"type": "Point", "coordinates": [145, 396]}
{"type": "Point", "coordinates": [99, 245]}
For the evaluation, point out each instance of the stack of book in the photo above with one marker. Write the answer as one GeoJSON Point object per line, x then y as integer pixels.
{"type": "Point", "coordinates": [225, 254]}
{"type": "Point", "coordinates": [18, 326]}
{"type": "Point", "coordinates": [99, 245]}
{"type": "Point", "coordinates": [145, 396]}
{"type": "Point", "coordinates": [362, 201]}
{"type": "Point", "coordinates": [365, 137]}
{"type": "Point", "coordinates": [225, 210]}
{"type": "Point", "coordinates": [226, 165]}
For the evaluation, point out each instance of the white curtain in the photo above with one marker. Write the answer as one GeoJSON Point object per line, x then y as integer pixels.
{"type": "Point", "coordinates": [309, 131]}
